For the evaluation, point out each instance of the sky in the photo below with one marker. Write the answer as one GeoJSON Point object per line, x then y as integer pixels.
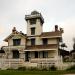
{"type": "Point", "coordinates": [54, 12]}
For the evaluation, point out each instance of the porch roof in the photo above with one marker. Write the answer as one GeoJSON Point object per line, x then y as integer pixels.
{"type": "Point", "coordinates": [41, 47]}
{"type": "Point", "coordinates": [41, 50]}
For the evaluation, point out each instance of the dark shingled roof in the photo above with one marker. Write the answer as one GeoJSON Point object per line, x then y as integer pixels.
{"type": "Point", "coordinates": [44, 34]}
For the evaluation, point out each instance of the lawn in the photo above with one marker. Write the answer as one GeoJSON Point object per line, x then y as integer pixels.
{"type": "Point", "coordinates": [15, 72]}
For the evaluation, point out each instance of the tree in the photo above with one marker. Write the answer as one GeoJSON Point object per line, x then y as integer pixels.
{"type": "Point", "coordinates": [74, 44]}
{"type": "Point", "coordinates": [63, 45]}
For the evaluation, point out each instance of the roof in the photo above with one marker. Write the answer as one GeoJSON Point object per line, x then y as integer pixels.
{"type": "Point", "coordinates": [34, 12]}
{"type": "Point", "coordinates": [12, 34]}
{"type": "Point", "coordinates": [34, 15]}
{"type": "Point", "coordinates": [50, 34]}
{"type": "Point", "coordinates": [49, 46]}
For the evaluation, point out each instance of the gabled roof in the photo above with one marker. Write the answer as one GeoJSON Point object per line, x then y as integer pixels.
{"type": "Point", "coordinates": [11, 35]}
{"type": "Point", "coordinates": [14, 32]}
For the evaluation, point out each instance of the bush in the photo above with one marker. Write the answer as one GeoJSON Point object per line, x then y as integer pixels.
{"type": "Point", "coordinates": [71, 68]}
{"type": "Point", "coordinates": [32, 69]}
{"type": "Point", "coordinates": [52, 68]}
{"type": "Point", "coordinates": [22, 68]}
{"type": "Point", "coordinates": [10, 69]}
{"type": "Point", "coordinates": [44, 69]}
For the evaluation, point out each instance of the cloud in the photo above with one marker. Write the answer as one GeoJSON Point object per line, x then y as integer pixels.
{"type": "Point", "coordinates": [3, 43]}
{"type": "Point", "coordinates": [1, 29]}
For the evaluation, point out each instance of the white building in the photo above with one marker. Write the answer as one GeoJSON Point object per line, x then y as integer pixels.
{"type": "Point", "coordinates": [34, 48]}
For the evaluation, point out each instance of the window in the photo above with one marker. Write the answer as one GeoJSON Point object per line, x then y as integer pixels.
{"type": "Point", "coordinates": [45, 41]}
{"type": "Point", "coordinates": [32, 41]}
{"type": "Point", "coordinates": [16, 42]}
{"type": "Point", "coordinates": [33, 31]}
{"type": "Point", "coordinates": [73, 55]}
{"type": "Point", "coordinates": [33, 21]}
{"type": "Point", "coordinates": [45, 54]}
{"type": "Point", "coordinates": [36, 54]}
{"type": "Point", "coordinates": [27, 56]}
{"type": "Point", "coordinates": [15, 54]}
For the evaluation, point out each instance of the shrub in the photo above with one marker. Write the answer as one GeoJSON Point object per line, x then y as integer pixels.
{"type": "Point", "coordinates": [10, 69]}
{"type": "Point", "coordinates": [33, 68]}
{"type": "Point", "coordinates": [22, 68]}
{"type": "Point", "coordinates": [52, 68]}
{"type": "Point", "coordinates": [71, 68]}
{"type": "Point", "coordinates": [44, 69]}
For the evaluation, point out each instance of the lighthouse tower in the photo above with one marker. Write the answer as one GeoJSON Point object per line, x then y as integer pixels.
{"type": "Point", "coordinates": [34, 23]}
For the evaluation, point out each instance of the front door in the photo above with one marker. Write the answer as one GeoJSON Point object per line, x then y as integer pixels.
{"type": "Point", "coordinates": [36, 54]}
{"type": "Point", "coordinates": [15, 54]}
{"type": "Point", "coordinates": [27, 56]}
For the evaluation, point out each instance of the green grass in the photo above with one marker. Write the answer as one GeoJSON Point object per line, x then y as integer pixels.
{"type": "Point", "coordinates": [15, 72]}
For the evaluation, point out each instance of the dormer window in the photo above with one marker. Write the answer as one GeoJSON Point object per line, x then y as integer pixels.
{"type": "Point", "coordinates": [16, 42]}
{"type": "Point", "coordinates": [32, 21]}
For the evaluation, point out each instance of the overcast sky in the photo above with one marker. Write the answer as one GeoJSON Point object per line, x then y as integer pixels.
{"type": "Point", "coordinates": [60, 12]}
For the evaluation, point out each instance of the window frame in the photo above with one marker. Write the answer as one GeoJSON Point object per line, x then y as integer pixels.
{"type": "Point", "coordinates": [16, 42]}
{"type": "Point", "coordinates": [32, 41]}
{"type": "Point", "coordinates": [45, 54]}
{"type": "Point", "coordinates": [45, 41]}
{"type": "Point", "coordinates": [36, 54]}
{"type": "Point", "coordinates": [32, 21]}
{"type": "Point", "coordinates": [16, 54]}
{"type": "Point", "coordinates": [33, 31]}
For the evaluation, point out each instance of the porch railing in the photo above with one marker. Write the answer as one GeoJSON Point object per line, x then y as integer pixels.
{"type": "Point", "coordinates": [13, 47]}
{"type": "Point", "coordinates": [45, 60]}
{"type": "Point", "coordinates": [7, 63]}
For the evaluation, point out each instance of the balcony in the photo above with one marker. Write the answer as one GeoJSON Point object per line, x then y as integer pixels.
{"type": "Point", "coordinates": [42, 47]}
{"type": "Point", "coordinates": [43, 60]}
{"type": "Point", "coordinates": [13, 47]}
{"type": "Point", "coordinates": [12, 61]}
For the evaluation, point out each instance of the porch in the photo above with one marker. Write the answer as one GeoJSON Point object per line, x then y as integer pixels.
{"type": "Point", "coordinates": [41, 62]}
{"type": "Point", "coordinates": [41, 57]}
{"type": "Point", "coordinates": [11, 63]}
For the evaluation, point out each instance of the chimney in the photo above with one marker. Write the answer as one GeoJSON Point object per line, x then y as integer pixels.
{"type": "Point", "coordinates": [56, 28]}
{"type": "Point", "coordinates": [14, 30]}
{"type": "Point", "coordinates": [61, 30]}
